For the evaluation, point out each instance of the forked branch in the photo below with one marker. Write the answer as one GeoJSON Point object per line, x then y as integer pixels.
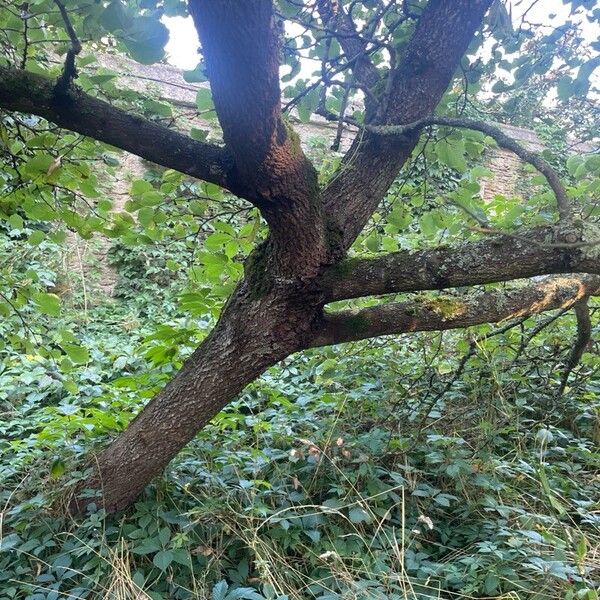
{"type": "Point", "coordinates": [337, 20]}
{"type": "Point", "coordinates": [422, 75]}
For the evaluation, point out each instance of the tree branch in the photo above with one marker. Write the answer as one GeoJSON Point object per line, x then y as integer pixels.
{"type": "Point", "coordinates": [334, 17]}
{"type": "Point", "coordinates": [503, 140]}
{"type": "Point", "coordinates": [69, 70]}
{"type": "Point", "coordinates": [425, 69]}
{"type": "Point", "coordinates": [240, 45]}
{"type": "Point", "coordinates": [584, 335]}
{"type": "Point", "coordinates": [26, 92]}
{"type": "Point", "coordinates": [488, 261]}
{"type": "Point", "coordinates": [455, 312]}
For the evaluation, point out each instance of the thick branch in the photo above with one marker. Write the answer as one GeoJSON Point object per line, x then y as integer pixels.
{"type": "Point", "coordinates": [26, 92]}
{"type": "Point", "coordinates": [428, 63]}
{"type": "Point", "coordinates": [488, 261]}
{"type": "Point", "coordinates": [584, 336]}
{"type": "Point", "coordinates": [455, 312]}
{"type": "Point", "coordinates": [240, 45]}
{"type": "Point", "coordinates": [503, 140]}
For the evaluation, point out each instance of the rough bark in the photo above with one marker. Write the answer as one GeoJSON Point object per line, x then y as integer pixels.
{"type": "Point", "coordinates": [499, 258]}
{"type": "Point", "coordinates": [30, 93]}
{"type": "Point", "coordinates": [428, 63]}
{"type": "Point", "coordinates": [241, 53]}
{"type": "Point", "coordinates": [455, 312]}
{"type": "Point", "coordinates": [240, 44]}
{"type": "Point", "coordinates": [252, 334]}
{"type": "Point", "coordinates": [278, 308]}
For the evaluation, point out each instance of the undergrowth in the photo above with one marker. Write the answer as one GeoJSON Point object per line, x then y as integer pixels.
{"type": "Point", "coordinates": [343, 473]}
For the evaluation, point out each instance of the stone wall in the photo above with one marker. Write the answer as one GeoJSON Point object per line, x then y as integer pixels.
{"type": "Point", "coordinates": [507, 168]}
{"type": "Point", "coordinates": [86, 263]}
{"type": "Point", "coordinates": [167, 82]}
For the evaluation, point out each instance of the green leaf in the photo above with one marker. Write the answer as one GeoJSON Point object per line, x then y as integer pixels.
{"type": "Point", "coordinates": [491, 583]}
{"type": "Point", "coordinates": [197, 208]}
{"type": "Point", "coordinates": [48, 304]}
{"type": "Point", "coordinates": [219, 591]}
{"type": "Point", "coordinates": [564, 88]}
{"type": "Point", "coordinates": [146, 216]}
{"type": "Point", "coordinates": [158, 108]}
{"type": "Point", "coordinates": [146, 39]}
{"type": "Point", "coordinates": [182, 556]}
{"type": "Point", "coordinates": [359, 515]}
{"type": "Point", "coordinates": [582, 81]}
{"type": "Point", "coordinates": [78, 354]}
{"type": "Point", "coordinates": [204, 100]}
{"type": "Point", "coordinates": [573, 162]}
{"type": "Point", "coordinates": [372, 243]}
{"type": "Point", "coordinates": [152, 198]}
{"type": "Point", "coordinates": [16, 221]}
{"type": "Point", "coordinates": [199, 135]}
{"type": "Point", "coordinates": [164, 535]}
{"type": "Point", "coordinates": [196, 75]}
{"type": "Point", "coordinates": [244, 593]}
{"type": "Point", "coordinates": [399, 217]}
{"type": "Point", "coordinates": [140, 186]}
{"type": "Point", "coordinates": [308, 104]}
{"type": "Point", "coordinates": [116, 16]}
{"type": "Point", "coordinates": [147, 546]}
{"type": "Point", "coordinates": [427, 224]}
{"type": "Point", "coordinates": [163, 559]}
{"type": "Point", "coordinates": [57, 468]}
{"type": "Point", "coordinates": [451, 154]}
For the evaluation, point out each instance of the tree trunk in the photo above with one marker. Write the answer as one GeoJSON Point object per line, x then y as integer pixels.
{"type": "Point", "coordinates": [277, 309]}
{"type": "Point", "coordinates": [254, 332]}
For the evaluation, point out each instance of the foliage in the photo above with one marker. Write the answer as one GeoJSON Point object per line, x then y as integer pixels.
{"type": "Point", "coordinates": [428, 466]}
{"type": "Point", "coordinates": [344, 473]}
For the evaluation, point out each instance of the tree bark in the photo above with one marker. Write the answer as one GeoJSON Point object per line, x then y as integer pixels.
{"type": "Point", "coordinates": [498, 258]}
{"type": "Point", "coordinates": [278, 308]}
{"type": "Point", "coordinates": [75, 110]}
{"type": "Point", "coordinates": [240, 44]}
{"type": "Point", "coordinates": [442, 36]}
{"type": "Point", "coordinates": [455, 312]}
{"type": "Point", "coordinates": [253, 333]}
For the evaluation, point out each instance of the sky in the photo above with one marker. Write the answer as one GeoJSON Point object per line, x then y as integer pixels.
{"type": "Point", "coordinates": [182, 48]}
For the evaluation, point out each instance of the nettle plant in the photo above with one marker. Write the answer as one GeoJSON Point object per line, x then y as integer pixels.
{"type": "Point", "coordinates": [284, 260]}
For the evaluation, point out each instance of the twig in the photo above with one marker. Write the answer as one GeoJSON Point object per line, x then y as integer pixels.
{"type": "Point", "coordinates": [473, 344]}
{"type": "Point", "coordinates": [584, 335]}
{"type": "Point", "coordinates": [335, 146]}
{"type": "Point", "coordinates": [503, 140]}
{"type": "Point", "coordinates": [69, 70]}
{"type": "Point", "coordinates": [525, 340]}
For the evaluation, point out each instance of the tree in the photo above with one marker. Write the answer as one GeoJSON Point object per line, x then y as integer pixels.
{"type": "Point", "coordinates": [401, 57]}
